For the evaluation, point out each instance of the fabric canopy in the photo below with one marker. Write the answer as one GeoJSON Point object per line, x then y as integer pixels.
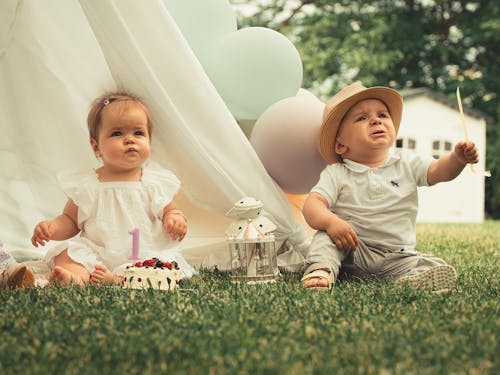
{"type": "Point", "coordinates": [56, 56]}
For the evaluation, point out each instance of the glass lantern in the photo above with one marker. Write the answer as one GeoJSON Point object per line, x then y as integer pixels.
{"type": "Point", "coordinates": [252, 247]}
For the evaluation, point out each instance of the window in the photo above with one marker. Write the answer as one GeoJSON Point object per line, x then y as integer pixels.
{"type": "Point", "coordinates": [406, 143]}
{"type": "Point", "coordinates": [440, 148]}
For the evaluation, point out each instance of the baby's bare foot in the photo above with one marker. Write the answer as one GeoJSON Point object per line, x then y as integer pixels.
{"type": "Point", "coordinates": [102, 275]}
{"type": "Point", "coordinates": [61, 276]}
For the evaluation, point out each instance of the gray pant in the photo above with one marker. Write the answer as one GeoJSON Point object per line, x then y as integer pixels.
{"type": "Point", "coordinates": [365, 262]}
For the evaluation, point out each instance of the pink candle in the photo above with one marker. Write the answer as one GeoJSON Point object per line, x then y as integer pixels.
{"type": "Point", "coordinates": [135, 244]}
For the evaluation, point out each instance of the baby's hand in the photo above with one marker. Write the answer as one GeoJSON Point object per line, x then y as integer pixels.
{"type": "Point", "coordinates": [466, 152]}
{"type": "Point", "coordinates": [342, 235]}
{"type": "Point", "coordinates": [175, 225]}
{"type": "Point", "coordinates": [43, 233]}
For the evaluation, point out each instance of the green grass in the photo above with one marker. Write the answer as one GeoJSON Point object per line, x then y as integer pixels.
{"type": "Point", "coordinates": [216, 327]}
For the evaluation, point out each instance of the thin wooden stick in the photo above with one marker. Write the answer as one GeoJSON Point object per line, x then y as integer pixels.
{"type": "Point", "coordinates": [466, 136]}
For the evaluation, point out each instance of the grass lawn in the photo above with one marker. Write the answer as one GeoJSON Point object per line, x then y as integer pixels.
{"type": "Point", "coordinates": [216, 327]}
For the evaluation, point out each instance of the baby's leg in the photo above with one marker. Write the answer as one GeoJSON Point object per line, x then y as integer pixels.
{"type": "Point", "coordinates": [324, 259]}
{"type": "Point", "coordinates": [422, 272]}
{"type": "Point", "coordinates": [67, 271]}
{"type": "Point", "coordinates": [102, 275]}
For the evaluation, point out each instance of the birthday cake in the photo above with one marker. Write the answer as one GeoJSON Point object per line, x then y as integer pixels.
{"type": "Point", "coordinates": [152, 273]}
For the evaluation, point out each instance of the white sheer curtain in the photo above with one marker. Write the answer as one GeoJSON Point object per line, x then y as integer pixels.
{"type": "Point", "coordinates": [50, 67]}
{"type": "Point", "coordinates": [57, 55]}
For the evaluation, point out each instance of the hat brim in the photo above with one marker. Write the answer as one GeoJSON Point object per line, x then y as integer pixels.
{"type": "Point", "coordinates": [334, 115]}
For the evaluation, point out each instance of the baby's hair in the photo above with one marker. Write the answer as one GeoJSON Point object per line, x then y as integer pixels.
{"type": "Point", "coordinates": [95, 114]}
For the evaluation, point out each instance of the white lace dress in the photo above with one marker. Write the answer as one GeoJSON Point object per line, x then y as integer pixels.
{"type": "Point", "coordinates": [107, 211]}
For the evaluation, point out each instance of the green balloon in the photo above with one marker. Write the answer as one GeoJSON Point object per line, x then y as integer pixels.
{"type": "Point", "coordinates": [203, 23]}
{"type": "Point", "coordinates": [253, 68]}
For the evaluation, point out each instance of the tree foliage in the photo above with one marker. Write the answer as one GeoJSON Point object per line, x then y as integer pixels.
{"type": "Point", "coordinates": [403, 44]}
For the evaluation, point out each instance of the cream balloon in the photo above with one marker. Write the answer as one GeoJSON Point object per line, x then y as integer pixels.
{"type": "Point", "coordinates": [306, 93]}
{"type": "Point", "coordinates": [285, 137]}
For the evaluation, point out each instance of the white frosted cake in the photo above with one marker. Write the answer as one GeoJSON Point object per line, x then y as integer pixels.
{"type": "Point", "coordinates": [152, 273]}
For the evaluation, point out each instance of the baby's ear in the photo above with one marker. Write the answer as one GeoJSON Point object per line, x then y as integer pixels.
{"type": "Point", "coordinates": [95, 147]}
{"type": "Point", "coordinates": [340, 148]}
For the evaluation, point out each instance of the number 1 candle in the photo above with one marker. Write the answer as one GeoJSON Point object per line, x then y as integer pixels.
{"type": "Point", "coordinates": [135, 244]}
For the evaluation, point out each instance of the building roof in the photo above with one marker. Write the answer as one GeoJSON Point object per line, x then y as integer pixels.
{"type": "Point", "coordinates": [441, 98]}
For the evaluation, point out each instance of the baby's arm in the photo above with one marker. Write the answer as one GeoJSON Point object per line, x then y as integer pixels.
{"type": "Point", "coordinates": [174, 222]}
{"type": "Point", "coordinates": [448, 167]}
{"type": "Point", "coordinates": [60, 228]}
{"type": "Point", "coordinates": [318, 216]}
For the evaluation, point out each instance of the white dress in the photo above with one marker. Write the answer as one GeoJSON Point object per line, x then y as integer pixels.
{"type": "Point", "coordinates": [107, 211]}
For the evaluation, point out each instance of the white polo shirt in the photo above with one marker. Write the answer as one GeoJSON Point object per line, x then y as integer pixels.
{"type": "Point", "coordinates": [379, 203]}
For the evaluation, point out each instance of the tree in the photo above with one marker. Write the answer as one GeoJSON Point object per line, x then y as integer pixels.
{"type": "Point", "coordinates": [403, 44]}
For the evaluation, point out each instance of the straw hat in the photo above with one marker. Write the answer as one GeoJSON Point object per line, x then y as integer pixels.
{"type": "Point", "coordinates": [342, 102]}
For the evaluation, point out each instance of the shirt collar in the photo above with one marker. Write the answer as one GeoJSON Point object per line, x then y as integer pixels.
{"type": "Point", "coordinates": [392, 157]}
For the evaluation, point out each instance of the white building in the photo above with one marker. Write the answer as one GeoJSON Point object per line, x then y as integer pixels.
{"type": "Point", "coordinates": [431, 125]}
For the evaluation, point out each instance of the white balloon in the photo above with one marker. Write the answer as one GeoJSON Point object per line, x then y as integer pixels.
{"type": "Point", "coordinates": [253, 68]}
{"type": "Point", "coordinates": [203, 23]}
